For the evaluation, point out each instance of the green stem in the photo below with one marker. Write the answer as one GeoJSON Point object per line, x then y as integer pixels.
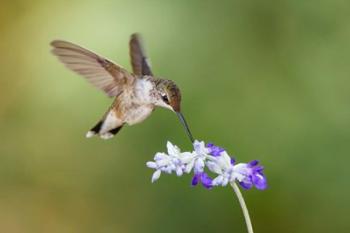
{"type": "Point", "coordinates": [243, 206]}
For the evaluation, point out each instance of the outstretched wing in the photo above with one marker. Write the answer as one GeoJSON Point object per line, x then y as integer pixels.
{"type": "Point", "coordinates": [139, 61]}
{"type": "Point", "coordinates": [100, 72]}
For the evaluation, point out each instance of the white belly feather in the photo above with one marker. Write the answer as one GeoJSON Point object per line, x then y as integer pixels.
{"type": "Point", "coordinates": [111, 121]}
{"type": "Point", "coordinates": [138, 114]}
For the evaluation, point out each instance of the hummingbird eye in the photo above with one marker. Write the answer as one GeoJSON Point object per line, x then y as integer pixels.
{"type": "Point", "coordinates": [165, 98]}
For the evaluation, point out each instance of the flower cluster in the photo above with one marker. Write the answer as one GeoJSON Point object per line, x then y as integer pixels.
{"type": "Point", "coordinates": [212, 157]}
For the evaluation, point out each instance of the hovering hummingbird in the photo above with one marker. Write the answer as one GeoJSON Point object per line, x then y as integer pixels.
{"type": "Point", "coordinates": [135, 94]}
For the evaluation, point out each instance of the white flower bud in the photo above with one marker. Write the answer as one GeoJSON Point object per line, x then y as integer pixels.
{"type": "Point", "coordinates": [156, 175]}
{"type": "Point", "coordinates": [179, 171]}
{"type": "Point", "coordinates": [152, 165]}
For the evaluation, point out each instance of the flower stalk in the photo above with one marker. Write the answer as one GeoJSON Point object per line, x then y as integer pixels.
{"type": "Point", "coordinates": [243, 206]}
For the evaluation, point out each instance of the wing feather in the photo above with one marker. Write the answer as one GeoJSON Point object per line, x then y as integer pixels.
{"type": "Point", "coordinates": [139, 61]}
{"type": "Point", "coordinates": [100, 72]}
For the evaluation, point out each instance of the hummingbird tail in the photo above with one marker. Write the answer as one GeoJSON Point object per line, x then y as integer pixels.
{"type": "Point", "coordinates": [104, 135]}
{"type": "Point", "coordinates": [94, 130]}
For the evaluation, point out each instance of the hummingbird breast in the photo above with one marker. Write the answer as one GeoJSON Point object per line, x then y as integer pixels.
{"type": "Point", "coordinates": [145, 90]}
{"type": "Point", "coordinates": [138, 114]}
{"type": "Point", "coordinates": [135, 104]}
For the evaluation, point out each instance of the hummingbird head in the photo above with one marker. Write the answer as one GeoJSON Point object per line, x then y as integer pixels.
{"type": "Point", "coordinates": [169, 95]}
{"type": "Point", "coordinates": [170, 98]}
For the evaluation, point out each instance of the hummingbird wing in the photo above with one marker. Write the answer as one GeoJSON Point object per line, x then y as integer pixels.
{"type": "Point", "coordinates": [100, 72]}
{"type": "Point", "coordinates": [139, 61]}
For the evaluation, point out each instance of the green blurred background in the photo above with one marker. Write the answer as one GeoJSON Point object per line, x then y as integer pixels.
{"type": "Point", "coordinates": [268, 80]}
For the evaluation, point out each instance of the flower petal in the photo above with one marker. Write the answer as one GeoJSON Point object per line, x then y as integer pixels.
{"type": "Point", "coordinates": [169, 169]}
{"type": "Point", "coordinates": [151, 164]}
{"type": "Point", "coordinates": [214, 150]}
{"type": "Point", "coordinates": [156, 175]}
{"type": "Point", "coordinates": [187, 157]}
{"type": "Point", "coordinates": [199, 165]}
{"type": "Point", "coordinates": [253, 163]}
{"type": "Point", "coordinates": [162, 162]}
{"type": "Point", "coordinates": [189, 166]}
{"type": "Point", "coordinates": [172, 149]}
{"type": "Point", "coordinates": [200, 148]}
{"type": "Point", "coordinates": [218, 180]}
{"type": "Point", "coordinates": [179, 171]}
{"type": "Point", "coordinates": [246, 185]}
{"type": "Point", "coordinates": [214, 167]}
{"type": "Point", "coordinates": [224, 161]}
{"type": "Point", "coordinates": [207, 182]}
{"type": "Point", "coordinates": [224, 181]}
{"type": "Point", "coordinates": [160, 156]}
{"type": "Point", "coordinates": [196, 179]}
{"type": "Point", "coordinates": [259, 181]}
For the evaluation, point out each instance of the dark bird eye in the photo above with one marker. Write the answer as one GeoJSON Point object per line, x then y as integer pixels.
{"type": "Point", "coordinates": [165, 99]}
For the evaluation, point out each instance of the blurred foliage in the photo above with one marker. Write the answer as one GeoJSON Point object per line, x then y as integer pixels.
{"type": "Point", "coordinates": [267, 79]}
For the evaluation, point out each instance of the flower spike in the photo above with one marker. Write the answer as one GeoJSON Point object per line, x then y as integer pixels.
{"type": "Point", "coordinates": [216, 160]}
{"type": "Point", "coordinates": [212, 158]}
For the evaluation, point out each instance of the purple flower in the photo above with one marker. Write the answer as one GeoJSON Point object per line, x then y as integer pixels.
{"type": "Point", "coordinates": [252, 175]}
{"type": "Point", "coordinates": [210, 157]}
{"type": "Point", "coordinates": [202, 177]}
{"type": "Point", "coordinates": [214, 150]}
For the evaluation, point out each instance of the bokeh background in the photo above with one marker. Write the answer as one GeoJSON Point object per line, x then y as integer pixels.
{"type": "Point", "coordinates": [268, 80]}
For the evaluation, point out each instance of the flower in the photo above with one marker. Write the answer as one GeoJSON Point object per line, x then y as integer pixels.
{"type": "Point", "coordinates": [199, 156]}
{"type": "Point", "coordinates": [200, 148]}
{"type": "Point", "coordinates": [251, 174]}
{"type": "Point", "coordinates": [174, 161]}
{"type": "Point", "coordinates": [215, 159]}
{"type": "Point", "coordinates": [214, 150]}
{"type": "Point", "coordinates": [212, 157]}
{"type": "Point", "coordinates": [203, 178]}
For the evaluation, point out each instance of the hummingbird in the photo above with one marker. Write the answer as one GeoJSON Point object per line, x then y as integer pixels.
{"type": "Point", "coordinates": [136, 94]}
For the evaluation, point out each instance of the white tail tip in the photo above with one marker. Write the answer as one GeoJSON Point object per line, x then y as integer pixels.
{"type": "Point", "coordinates": [106, 136]}
{"type": "Point", "coordinates": [90, 134]}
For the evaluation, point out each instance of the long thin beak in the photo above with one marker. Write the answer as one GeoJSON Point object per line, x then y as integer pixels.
{"type": "Point", "coordinates": [184, 123]}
